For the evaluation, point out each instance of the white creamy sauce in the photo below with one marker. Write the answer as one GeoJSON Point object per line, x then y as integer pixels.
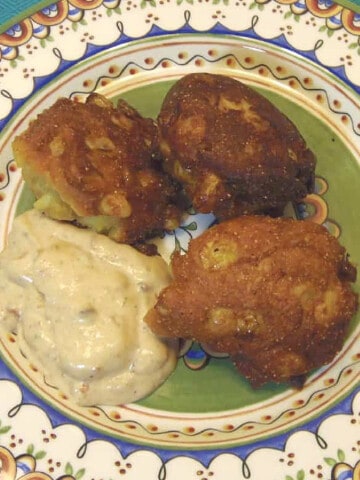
{"type": "Point", "coordinates": [77, 300]}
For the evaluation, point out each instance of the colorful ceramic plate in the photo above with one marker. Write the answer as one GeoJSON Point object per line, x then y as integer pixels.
{"type": "Point", "coordinates": [205, 421]}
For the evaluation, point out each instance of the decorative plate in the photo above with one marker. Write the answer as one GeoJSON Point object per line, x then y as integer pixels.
{"type": "Point", "coordinates": [205, 421]}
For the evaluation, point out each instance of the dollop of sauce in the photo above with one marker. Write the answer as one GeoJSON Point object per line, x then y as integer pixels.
{"type": "Point", "coordinates": [76, 301]}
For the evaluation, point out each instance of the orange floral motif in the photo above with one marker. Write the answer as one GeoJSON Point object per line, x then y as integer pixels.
{"type": "Point", "coordinates": [18, 36]}
{"type": "Point", "coordinates": [322, 9]}
{"type": "Point", "coordinates": [57, 16]}
{"type": "Point", "coordinates": [315, 209]}
{"type": "Point", "coordinates": [344, 471]}
{"type": "Point", "coordinates": [86, 4]}
{"type": "Point", "coordinates": [327, 10]}
{"type": "Point", "coordinates": [22, 467]}
{"type": "Point", "coordinates": [348, 19]}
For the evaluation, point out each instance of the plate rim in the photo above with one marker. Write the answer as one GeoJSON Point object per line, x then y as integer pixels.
{"type": "Point", "coordinates": [353, 393]}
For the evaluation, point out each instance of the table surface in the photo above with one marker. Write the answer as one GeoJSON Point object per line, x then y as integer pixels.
{"type": "Point", "coordinates": [12, 11]}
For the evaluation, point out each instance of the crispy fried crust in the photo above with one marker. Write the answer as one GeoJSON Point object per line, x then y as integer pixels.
{"type": "Point", "coordinates": [232, 149]}
{"type": "Point", "coordinates": [96, 164]}
{"type": "Point", "coordinates": [273, 293]}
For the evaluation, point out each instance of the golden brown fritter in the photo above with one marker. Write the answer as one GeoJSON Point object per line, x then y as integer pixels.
{"type": "Point", "coordinates": [273, 293]}
{"type": "Point", "coordinates": [96, 164]}
{"type": "Point", "coordinates": [232, 149]}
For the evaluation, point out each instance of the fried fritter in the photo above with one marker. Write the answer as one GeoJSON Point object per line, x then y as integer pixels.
{"type": "Point", "coordinates": [273, 293]}
{"type": "Point", "coordinates": [231, 148]}
{"type": "Point", "coordinates": [97, 165]}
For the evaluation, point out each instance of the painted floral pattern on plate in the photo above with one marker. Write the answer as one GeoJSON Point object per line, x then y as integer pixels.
{"type": "Point", "coordinates": [39, 50]}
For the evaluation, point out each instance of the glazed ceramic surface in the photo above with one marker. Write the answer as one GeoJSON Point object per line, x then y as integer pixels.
{"type": "Point", "coordinates": [205, 421]}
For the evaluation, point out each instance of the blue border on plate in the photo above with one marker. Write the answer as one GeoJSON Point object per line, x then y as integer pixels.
{"type": "Point", "coordinates": [165, 454]}
{"type": "Point", "coordinates": [91, 50]}
{"type": "Point", "coordinates": [205, 456]}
